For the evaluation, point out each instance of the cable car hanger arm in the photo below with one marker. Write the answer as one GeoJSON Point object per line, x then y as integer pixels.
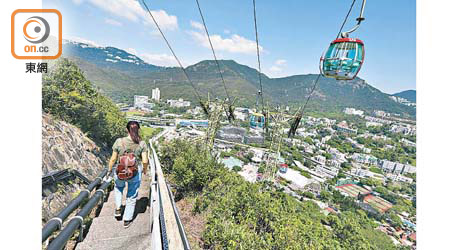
{"type": "Point", "coordinates": [359, 20]}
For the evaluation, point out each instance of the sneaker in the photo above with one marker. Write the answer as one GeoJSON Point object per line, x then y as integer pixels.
{"type": "Point", "coordinates": [117, 213]}
{"type": "Point", "coordinates": [127, 223]}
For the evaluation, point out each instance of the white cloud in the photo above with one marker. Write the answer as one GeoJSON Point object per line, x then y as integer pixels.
{"type": "Point", "coordinates": [226, 31]}
{"type": "Point", "coordinates": [82, 40]}
{"type": "Point", "coordinates": [77, 2]}
{"type": "Point", "coordinates": [113, 22]}
{"type": "Point", "coordinates": [132, 10]}
{"type": "Point", "coordinates": [159, 59]}
{"type": "Point", "coordinates": [197, 25]}
{"type": "Point", "coordinates": [280, 62]}
{"type": "Point", "coordinates": [233, 44]}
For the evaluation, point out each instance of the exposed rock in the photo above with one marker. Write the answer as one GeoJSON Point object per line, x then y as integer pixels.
{"type": "Point", "coordinates": [65, 146]}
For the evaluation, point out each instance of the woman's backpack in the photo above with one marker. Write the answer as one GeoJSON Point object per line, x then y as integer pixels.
{"type": "Point", "coordinates": [126, 169]}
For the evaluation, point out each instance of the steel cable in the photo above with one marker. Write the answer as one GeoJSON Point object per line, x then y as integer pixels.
{"type": "Point", "coordinates": [259, 60]}
{"type": "Point", "coordinates": [299, 117]}
{"type": "Point", "coordinates": [230, 111]}
{"type": "Point", "coordinates": [205, 109]}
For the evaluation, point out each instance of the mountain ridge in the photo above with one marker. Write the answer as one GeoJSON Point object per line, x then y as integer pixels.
{"type": "Point", "coordinates": [409, 95]}
{"type": "Point", "coordinates": [124, 75]}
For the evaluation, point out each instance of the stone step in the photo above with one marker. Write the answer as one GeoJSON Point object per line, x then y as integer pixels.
{"type": "Point", "coordinates": [106, 232]}
{"type": "Point", "coordinates": [138, 242]}
{"type": "Point", "coordinates": [110, 228]}
{"type": "Point", "coordinates": [142, 205]}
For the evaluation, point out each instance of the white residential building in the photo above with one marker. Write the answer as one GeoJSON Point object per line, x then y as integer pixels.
{"type": "Point", "coordinates": [396, 167]}
{"type": "Point", "coordinates": [380, 113]}
{"type": "Point", "coordinates": [352, 111]}
{"type": "Point", "coordinates": [321, 159]}
{"type": "Point", "coordinates": [241, 113]}
{"type": "Point", "coordinates": [179, 103]}
{"type": "Point", "coordinates": [403, 129]}
{"type": "Point", "coordinates": [363, 158]}
{"type": "Point", "coordinates": [400, 178]}
{"type": "Point", "coordinates": [373, 124]}
{"type": "Point", "coordinates": [139, 101]}
{"type": "Point", "coordinates": [343, 127]}
{"type": "Point", "coordinates": [156, 94]}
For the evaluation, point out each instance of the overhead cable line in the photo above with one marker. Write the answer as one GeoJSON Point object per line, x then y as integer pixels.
{"type": "Point", "coordinates": [299, 114]}
{"type": "Point", "coordinates": [299, 117]}
{"type": "Point", "coordinates": [345, 20]}
{"type": "Point", "coordinates": [259, 60]}
{"type": "Point", "coordinates": [205, 109]}
{"type": "Point", "coordinates": [230, 109]}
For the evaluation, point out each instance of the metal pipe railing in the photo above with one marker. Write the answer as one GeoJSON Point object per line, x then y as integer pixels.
{"type": "Point", "coordinates": [171, 237]}
{"type": "Point", "coordinates": [77, 221]}
{"type": "Point", "coordinates": [56, 222]}
{"type": "Point", "coordinates": [178, 218]}
{"type": "Point", "coordinates": [154, 205]}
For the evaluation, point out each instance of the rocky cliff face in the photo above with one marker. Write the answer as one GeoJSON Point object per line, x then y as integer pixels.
{"type": "Point", "coordinates": [64, 146]}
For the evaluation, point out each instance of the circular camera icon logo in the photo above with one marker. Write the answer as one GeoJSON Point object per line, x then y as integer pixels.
{"type": "Point", "coordinates": [36, 29]}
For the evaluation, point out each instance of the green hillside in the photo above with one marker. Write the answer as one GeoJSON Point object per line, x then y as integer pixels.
{"type": "Point", "coordinates": [409, 95]}
{"type": "Point", "coordinates": [122, 80]}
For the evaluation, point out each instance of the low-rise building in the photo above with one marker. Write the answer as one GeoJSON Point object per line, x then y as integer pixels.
{"type": "Point", "coordinates": [241, 114]}
{"type": "Point", "coordinates": [380, 113]}
{"type": "Point", "coordinates": [141, 102]}
{"type": "Point", "coordinates": [364, 158]}
{"type": "Point", "coordinates": [396, 167]}
{"type": "Point", "coordinates": [179, 103]}
{"type": "Point", "coordinates": [399, 178]}
{"type": "Point", "coordinates": [344, 128]}
{"type": "Point", "coordinates": [352, 111]}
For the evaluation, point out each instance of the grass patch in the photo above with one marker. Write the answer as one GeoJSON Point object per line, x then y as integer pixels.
{"type": "Point", "coordinates": [375, 170]}
{"type": "Point", "coordinates": [147, 132]}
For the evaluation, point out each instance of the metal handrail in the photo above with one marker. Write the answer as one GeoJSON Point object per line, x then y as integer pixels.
{"type": "Point", "coordinates": [60, 175]}
{"type": "Point", "coordinates": [77, 221]}
{"type": "Point", "coordinates": [179, 222]}
{"type": "Point", "coordinates": [55, 223]}
{"type": "Point", "coordinates": [154, 205]}
{"type": "Point", "coordinates": [168, 216]}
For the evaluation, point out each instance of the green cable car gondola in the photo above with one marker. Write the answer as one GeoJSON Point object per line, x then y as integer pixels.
{"type": "Point", "coordinates": [343, 59]}
{"type": "Point", "coordinates": [257, 120]}
{"type": "Point", "coordinates": [345, 56]}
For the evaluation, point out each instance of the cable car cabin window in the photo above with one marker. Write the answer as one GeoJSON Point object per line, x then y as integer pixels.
{"type": "Point", "coordinates": [257, 121]}
{"type": "Point", "coordinates": [343, 59]}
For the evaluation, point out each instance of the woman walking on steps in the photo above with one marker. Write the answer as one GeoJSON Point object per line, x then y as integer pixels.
{"type": "Point", "coordinates": [128, 152]}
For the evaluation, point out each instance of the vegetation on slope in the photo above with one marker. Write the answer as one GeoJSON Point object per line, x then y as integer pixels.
{"type": "Point", "coordinates": [69, 96]}
{"type": "Point", "coordinates": [121, 80]}
{"type": "Point", "coordinates": [244, 215]}
{"type": "Point", "coordinates": [409, 95]}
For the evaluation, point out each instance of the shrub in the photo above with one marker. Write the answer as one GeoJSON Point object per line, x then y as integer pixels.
{"type": "Point", "coordinates": [69, 96]}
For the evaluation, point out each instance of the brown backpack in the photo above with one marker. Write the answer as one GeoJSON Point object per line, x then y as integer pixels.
{"type": "Point", "coordinates": [126, 169]}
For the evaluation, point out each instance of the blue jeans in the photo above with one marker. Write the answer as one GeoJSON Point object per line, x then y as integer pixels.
{"type": "Point", "coordinates": [132, 193]}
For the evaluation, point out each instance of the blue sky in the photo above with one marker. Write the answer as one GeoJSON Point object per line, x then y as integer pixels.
{"type": "Point", "coordinates": [293, 33]}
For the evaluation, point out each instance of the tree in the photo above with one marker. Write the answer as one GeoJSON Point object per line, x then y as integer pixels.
{"type": "Point", "coordinates": [245, 215]}
{"type": "Point", "coordinates": [69, 96]}
{"type": "Point", "coordinates": [325, 196]}
{"type": "Point", "coordinates": [237, 168]}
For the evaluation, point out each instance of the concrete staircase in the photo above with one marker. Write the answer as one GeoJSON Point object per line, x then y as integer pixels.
{"type": "Point", "coordinates": [107, 233]}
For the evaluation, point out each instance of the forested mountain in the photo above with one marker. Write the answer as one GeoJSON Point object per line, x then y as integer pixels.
{"type": "Point", "coordinates": [121, 75]}
{"type": "Point", "coordinates": [409, 95]}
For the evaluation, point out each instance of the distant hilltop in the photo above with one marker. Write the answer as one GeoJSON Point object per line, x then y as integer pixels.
{"type": "Point", "coordinates": [121, 75]}
{"type": "Point", "coordinates": [409, 95]}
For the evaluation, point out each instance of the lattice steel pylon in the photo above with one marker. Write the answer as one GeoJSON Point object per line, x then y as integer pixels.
{"type": "Point", "coordinates": [216, 109]}
{"type": "Point", "coordinates": [275, 143]}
